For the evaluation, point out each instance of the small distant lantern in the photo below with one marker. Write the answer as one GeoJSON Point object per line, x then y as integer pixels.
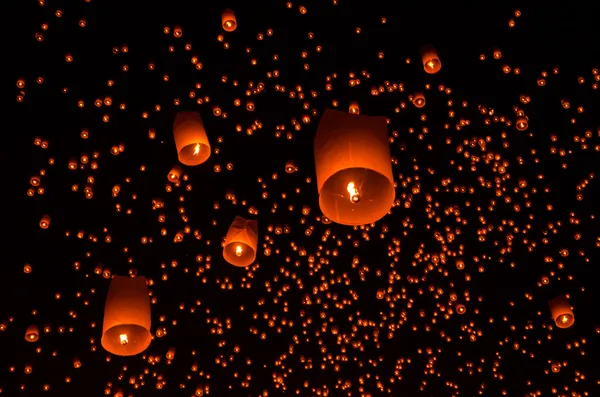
{"type": "Point", "coordinates": [32, 334]}
{"type": "Point", "coordinates": [418, 100]}
{"type": "Point", "coordinates": [354, 109]}
{"type": "Point", "coordinates": [431, 61]}
{"type": "Point", "coordinates": [461, 309]}
{"type": "Point", "coordinates": [45, 222]}
{"type": "Point", "coordinates": [521, 123]}
{"type": "Point", "coordinates": [241, 241]}
{"type": "Point", "coordinates": [354, 168]}
{"type": "Point", "coordinates": [561, 312]}
{"type": "Point", "coordinates": [191, 140]}
{"type": "Point", "coordinates": [126, 327]}
{"type": "Point", "coordinates": [228, 20]}
{"type": "Point", "coordinates": [290, 167]}
{"type": "Point", "coordinates": [170, 353]}
{"type": "Point", "coordinates": [175, 174]}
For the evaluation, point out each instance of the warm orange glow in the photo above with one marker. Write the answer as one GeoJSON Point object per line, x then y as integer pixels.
{"type": "Point", "coordinates": [353, 191]}
{"type": "Point", "coordinates": [239, 248]}
{"type": "Point", "coordinates": [191, 141]}
{"type": "Point", "coordinates": [126, 325]}
{"type": "Point", "coordinates": [431, 61]}
{"type": "Point", "coordinates": [356, 149]}
{"type": "Point", "coordinates": [561, 312]}
{"type": "Point", "coordinates": [228, 20]}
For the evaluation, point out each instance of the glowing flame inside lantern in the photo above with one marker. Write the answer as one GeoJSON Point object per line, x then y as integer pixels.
{"type": "Point", "coordinates": [430, 64]}
{"type": "Point", "coordinates": [564, 319]}
{"type": "Point", "coordinates": [228, 24]}
{"type": "Point", "coordinates": [238, 250]}
{"type": "Point", "coordinates": [123, 339]}
{"type": "Point", "coordinates": [197, 149]}
{"type": "Point", "coordinates": [354, 194]}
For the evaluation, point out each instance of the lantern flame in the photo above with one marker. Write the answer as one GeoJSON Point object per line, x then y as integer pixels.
{"type": "Point", "coordinates": [564, 319]}
{"type": "Point", "coordinates": [353, 191]}
{"type": "Point", "coordinates": [238, 250]}
{"type": "Point", "coordinates": [430, 64]}
{"type": "Point", "coordinates": [123, 339]}
{"type": "Point", "coordinates": [197, 149]}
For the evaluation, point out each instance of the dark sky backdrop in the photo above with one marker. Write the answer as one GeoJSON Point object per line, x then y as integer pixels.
{"type": "Point", "coordinates": [562, 35]}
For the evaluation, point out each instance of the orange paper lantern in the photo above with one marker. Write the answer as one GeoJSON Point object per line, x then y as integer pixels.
{"type": "Point", "coordinates": [354, 168]}
{"type": "Point", "coordinates": [32, 334]}
{"type": "Point", "coordinates": [561, 312]}
{"type": "Point", "coordinates": [353, 108]}
{"type": "Point", "coordinates": [418, 100]}
{"type": "Point", "coordinates": [241, 241]}
{"type": "Point", "coordinates": [191, 140]}
{"type": "Point", "coordinates": [126, 328]}
{"type": "Point", "coordinates": [431, 61]}
{"type": "Point", "coordinates": [228, 20]}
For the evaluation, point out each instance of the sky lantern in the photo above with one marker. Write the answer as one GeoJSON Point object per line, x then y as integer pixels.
{"type": "Point", "coordinates": [354, 168]}
{"type": "Point", "coordinates": [353, 108]}
{"type": "Point", "coordinates": [32, 334]}
{"type": "Point", "coordinates": [561, 312]}
{"type": "Point", "coordinates": [418, 100]}
{"type": "Point", "coordinates": [191, 140]}
{"type": "Point", "coordinates": [228, 20]}
{"type": "Point", "coordinates": [45, 222]}
{"type": "Point", "coordinates": [126, 328]}
{"type": "Point", "coordinates": [431, 61]}
{"type": "Point", "coordinates": [175, 174]}
{"type": "Point", "coordinates": [241, 241]}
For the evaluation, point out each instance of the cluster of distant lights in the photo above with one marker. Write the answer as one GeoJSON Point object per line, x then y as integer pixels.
{"type": "Point", "coordinates": [353, 190]}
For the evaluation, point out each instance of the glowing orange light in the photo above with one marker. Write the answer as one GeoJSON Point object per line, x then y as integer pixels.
{"type": "Point", "coordinates": [123, 339]}
{"type": "Point", "coordinates": [197, 149]}
{"type": "Point", "coordinates": [353, 191]}
{"type": "Point", "coordinates": [238, 250]}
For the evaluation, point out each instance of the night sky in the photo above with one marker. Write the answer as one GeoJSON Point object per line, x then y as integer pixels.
{"type": "Point", "coordinates": [445, 296]}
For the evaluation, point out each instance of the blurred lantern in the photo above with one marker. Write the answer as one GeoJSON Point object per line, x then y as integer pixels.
{"type": "Point", "coordinates": [431, 62]}
{"type": "Point", "coordinates": [45, 222]}
{"type": "Point", "coordinates": [241, 241]}
{"type": "Point", "coordinates": [228, 20]}
{"type": "Point", "coordinates": [419, 100]}
{"type": "Point", "coordinates": [522, 122]}
{"type": "Point", "coordinates": [354, 168]}
{"type": "Point", "coordinates": [561, 312]}
{"type": "Point", "coordinates": [126, 328]}
{"type": "Point", "coordinates": [32, 334]}
{"type": "Point", "coordinates": [175, 174]}
{"type": "Point", "coordinates": [191, 140]}
{"type": "Point", "coordinates": [354, 109]}
{"type": "Point", "coordinates": [290, 167]}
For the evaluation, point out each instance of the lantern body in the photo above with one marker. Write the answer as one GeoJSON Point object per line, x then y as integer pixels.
{"type": "Point", "coordinates": [32, 334]}
{"type": "Point", "coordinates": [126, 327]}
{"type": "Point", "coordinates": [45, 222]}
{"type": "Point", "coordinates": [228, 20]}
{"type": "Point", "coordinates": [353, 108]}
{"type": "Point", "coordinates": [241, 241]}
{"type": "Point", "coordinates": [419, 100]}
{"type": "Point", "coordinates": [561, 312]}
{"type": "Point", "coordinates": [191, 140]}
{"type": "Point", "coordinates": [353, 149]}
{"type": "Point", "coordinates": [431, 61]}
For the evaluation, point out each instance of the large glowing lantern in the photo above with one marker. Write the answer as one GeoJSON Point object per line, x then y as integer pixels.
{"type": "Point", "coordinates": [126, 328]}
{"type": "Point", "coordinates": [431, 61]}
{"type": "Point", "coordinates": [561, 312]}
{"type": "Point", "coordinates": [354, 168]}
{"type": "Point", "coordinates": [191, 141]}
{"type": "Point", "coordinates": [228, 20]}
{"type": "Point", "coordinates": [241, 241]}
